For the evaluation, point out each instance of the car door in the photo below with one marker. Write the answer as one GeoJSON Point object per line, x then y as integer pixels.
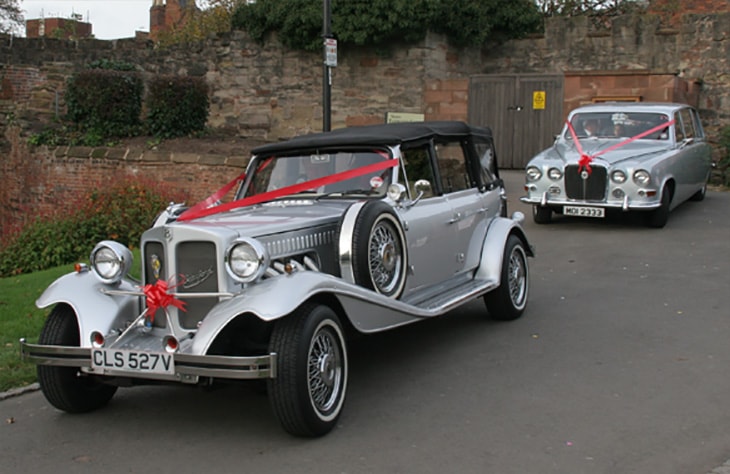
{"type": "Point", "coordinates": [688, 169]}
{"type": "Point", "coordinates": [427, 223]}
{"type": "Point", "coordinates": [469, 205]}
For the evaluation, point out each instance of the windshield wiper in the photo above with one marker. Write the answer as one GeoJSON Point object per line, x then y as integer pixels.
{"type": "Point", "coordinates": [367, 192]}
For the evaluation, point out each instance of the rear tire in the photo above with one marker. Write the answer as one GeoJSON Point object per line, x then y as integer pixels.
{"type": "Point", "coordinates": [309, 390]}
{"type": "Point", "coordinates": [699, 195]}
{"type": "Point", "coordinates": [65, 387]}
{"type": "Point", "coordinates": [508, 301]}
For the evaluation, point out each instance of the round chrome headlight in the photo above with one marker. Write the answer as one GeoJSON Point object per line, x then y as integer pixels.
{"type": "Point", "coordinates": [533, 173]}
{"type": "Point", "coordinates": [111, 261]}
{"type": "Point", "coordinates": [554, 174]}
{"type": "Point", "coordinates": [618, 176]}
{"type": "Point", "coordinates": [642, 178]}
{"type": "Point", "coordinates": [246, 260]}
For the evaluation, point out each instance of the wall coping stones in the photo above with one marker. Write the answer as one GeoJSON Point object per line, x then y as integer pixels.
{"type": "Point", "coordinates": [147, 156]}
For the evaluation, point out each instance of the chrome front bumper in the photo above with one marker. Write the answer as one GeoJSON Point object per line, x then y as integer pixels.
{"type": "Point", "coordinates": [625, 205]}
{"type": "Point", "coordinates": [188, 368]}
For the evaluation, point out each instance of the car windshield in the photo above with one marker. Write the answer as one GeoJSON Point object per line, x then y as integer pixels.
{"type": "Point", "coordinates": [618, 124]}
{"type": "Point", "coordinates": [287, 173]}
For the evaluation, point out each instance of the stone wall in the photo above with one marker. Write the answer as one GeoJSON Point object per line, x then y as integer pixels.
{"type": "Point", "coordinates": [265, 93]}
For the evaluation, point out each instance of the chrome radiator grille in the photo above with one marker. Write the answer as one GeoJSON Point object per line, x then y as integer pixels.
{"type": "Point", "coordinates": [591, 189]}
{"type": "Point", "coordinates": [194, 270]}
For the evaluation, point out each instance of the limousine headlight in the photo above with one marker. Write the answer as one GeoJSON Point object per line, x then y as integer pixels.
{"type": "Point", "coordinates": [642, 178]}
{"type": "Point", "coordinates": [533, 173]}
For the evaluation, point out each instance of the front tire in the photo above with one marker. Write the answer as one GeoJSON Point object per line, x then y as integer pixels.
{"type": "Point", "coordinates": [65, 387]}
{"type": "Point", "coordinates": [508, 301]}
{"type": "Point", "coordinates": [658, 217]}
{"type": "Point", "coordinates": [309, 390]}
{"type": "Point", "coordinates": [541, 214]}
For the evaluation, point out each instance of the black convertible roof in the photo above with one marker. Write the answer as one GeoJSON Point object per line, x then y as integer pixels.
{"type": "Point", "coordinates": [381, 134]}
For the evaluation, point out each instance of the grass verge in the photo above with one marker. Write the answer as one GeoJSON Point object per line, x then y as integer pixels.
{"type": "Point", "coordinates": [19, 317]}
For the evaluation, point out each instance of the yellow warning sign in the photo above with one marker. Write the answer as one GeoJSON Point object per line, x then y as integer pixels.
{"type": "Point", "coordinates": [538, 100]}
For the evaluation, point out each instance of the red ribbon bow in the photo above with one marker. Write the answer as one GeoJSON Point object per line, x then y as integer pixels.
{"type": "Point", "coordinates": [158, 297]}
{"type": "Point", "coordinates": [585, 162]}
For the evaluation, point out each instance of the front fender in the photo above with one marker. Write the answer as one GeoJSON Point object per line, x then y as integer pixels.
{"type": "Point", "coordinates": [490, 266]}
{"type": "Point", "coordinates": [257, 299]}
{"type": "Point", "coordinates": [95, 311]}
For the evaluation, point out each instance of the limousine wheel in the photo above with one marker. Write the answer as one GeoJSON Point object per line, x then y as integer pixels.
{"type": "Point", "coordinates": [65, 387]}
{"type": "Point", "coordinates": [379, 251]}
{"type": "Point", "coordinates": [542, 214]}
{"type": "Point", "coordinates": [658, 217]}
{"type": "Point", "coordinates": [311, 382]}
{"type": "Point", "coordinates": [508, 301]}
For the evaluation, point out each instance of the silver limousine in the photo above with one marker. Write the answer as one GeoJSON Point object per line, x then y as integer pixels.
{"type": "Point", "coordinates": [624, 156]}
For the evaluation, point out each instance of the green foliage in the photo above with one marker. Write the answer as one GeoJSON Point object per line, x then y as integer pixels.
{"type": "Point", "coordinates": [378, 23]}
{"type": "Point", "coordinates": [476, 21]}
{"type": "Point", "coordinates": [199, 24]}
{"type": "Point", "coordinates": [111, 64]}
{"type": "Point", "coordinates": [177, 106]}
{"type": "Point", "coordinates": [118, 212]}
{"type": "Point", "coordinates": [105, 103]}
{"type": "Point", "coordinates": [21, 319]}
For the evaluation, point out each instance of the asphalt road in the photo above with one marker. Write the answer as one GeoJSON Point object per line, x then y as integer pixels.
{"type": "Point", "coordinates": [620, 364]}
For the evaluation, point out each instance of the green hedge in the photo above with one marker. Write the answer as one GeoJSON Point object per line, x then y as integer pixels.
{"type": "Point", "coordinates": [177, 106]}
{"type": "Point", "coordinates": [105, 103]}
{"type": "Point", "coordinates": [378, 23]}
{"type": "Point", "coordinates": [120, 212]}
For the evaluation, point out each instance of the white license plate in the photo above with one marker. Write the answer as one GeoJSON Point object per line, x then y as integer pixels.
{"type": "Point", "coordinates": [105, 360]}
{"type": "Point", "coordinates": [583, 211]}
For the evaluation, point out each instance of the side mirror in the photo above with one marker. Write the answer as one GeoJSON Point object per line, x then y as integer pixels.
{"type": "Point", "coordinates": [422, 186]}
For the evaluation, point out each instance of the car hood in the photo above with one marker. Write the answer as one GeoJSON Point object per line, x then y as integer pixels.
{"type": "Point", "coordinates": [272, 217]}
{"type": "Point", "coordinates": [636, 150]}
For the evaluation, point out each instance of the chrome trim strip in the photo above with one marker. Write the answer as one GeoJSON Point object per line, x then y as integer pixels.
{"type": "Point", "coordinates": [345, 244]}
{"type": "Point", "coordinates": [219, 294]}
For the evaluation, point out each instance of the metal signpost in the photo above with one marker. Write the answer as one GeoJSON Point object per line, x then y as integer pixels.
{"type": "Point", "coordinates": [330, 60]}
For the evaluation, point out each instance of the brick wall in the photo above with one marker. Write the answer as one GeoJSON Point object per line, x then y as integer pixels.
{"type": "Point", "coordinates": [61, 28]}
{"type": "Point", "coordinates": [43, 181]}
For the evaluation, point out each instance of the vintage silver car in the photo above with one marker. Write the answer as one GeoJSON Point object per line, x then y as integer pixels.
{"type": "Point", "coordinates": [328, 235]}
{"type": "Point", "coordinates": [625, 156]}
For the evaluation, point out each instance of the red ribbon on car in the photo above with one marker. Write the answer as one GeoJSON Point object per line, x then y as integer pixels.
{"type": "Point", "coordinates": [585, 159]}
{"type": "Point", "coordinates": [157, 297]}
{"type": "Point", "coordinates": [203, 208]}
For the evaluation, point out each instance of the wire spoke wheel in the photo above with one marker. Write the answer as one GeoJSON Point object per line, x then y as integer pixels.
{"type": "Point", "coordinates": [385, 257]}
{"type": "Point", "coordinates": [309, 390]}
{"type": "Point", "coordinates": [509, 299]}
{"type": "Point", "coordinates": [325, 370]}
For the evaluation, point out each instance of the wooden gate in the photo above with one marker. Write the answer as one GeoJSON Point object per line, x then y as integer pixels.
{"type": "Point", "coordinates": [524, 111]}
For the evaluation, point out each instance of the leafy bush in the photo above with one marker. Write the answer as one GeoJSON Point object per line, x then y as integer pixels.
{"type": "Point", "coordinates": [380, 22]}
{"type": "Point", "coordinates": [177, 106]}
{"type": "Point", "coordinates": [105, 103]}
{"type": "Point", "coordinates": [120, 212]}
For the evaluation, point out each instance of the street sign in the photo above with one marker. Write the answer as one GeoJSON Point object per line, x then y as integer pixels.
{"type": "Point", "coordinates": [330, 52]}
